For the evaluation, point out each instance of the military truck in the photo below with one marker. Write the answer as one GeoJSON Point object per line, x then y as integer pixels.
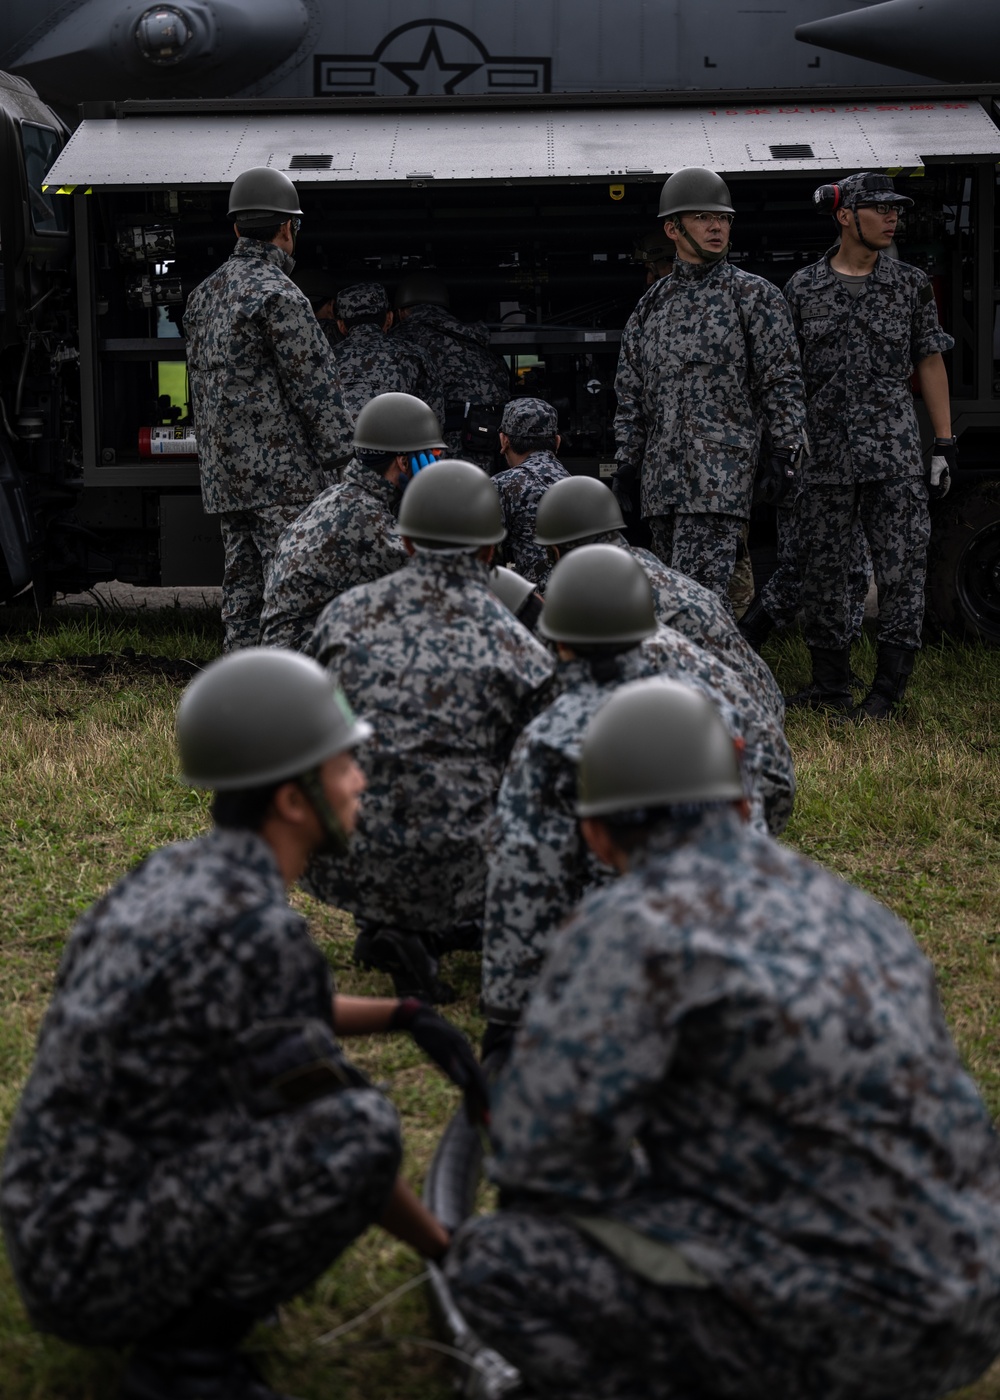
{"type": "Point", "coordinates": [528, 206]}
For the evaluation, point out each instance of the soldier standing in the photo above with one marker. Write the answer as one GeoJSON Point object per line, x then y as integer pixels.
{"type": "Point", "coordinates": [450, 678]}
{"type": "Point", "coordinates": [866, 322]}
{"type": "Point", "coordinates": [708, 361]}
{"type": "Point", "coordinates": [370, 361]}
{"type": "Point", "coordinates": [816, 1208]}
{"type": "Point", "coordinates": [192, 1146]}
{"type": "Point", "coordinates": [473, 382]}
{"type": "Point", "coordinates": [264, 394]}
{"type": "Point", "coordinates": [348, 535]}
{"type": "Point", "coordinates": [528, 444]}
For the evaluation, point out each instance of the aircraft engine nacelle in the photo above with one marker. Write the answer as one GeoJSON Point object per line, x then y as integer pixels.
{"type": "Point", "coordinates": [190, 48]}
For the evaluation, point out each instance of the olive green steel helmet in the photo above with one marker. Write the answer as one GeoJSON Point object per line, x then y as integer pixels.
{"type": "Point", "coordinates": [261, 716]}
{"type": "Point", "coordinates": [451, 503]}
{"type": "Point", "coordinates": [598, 595]}
{"type": "Point", "coordinates": [510, 587]}
{"type": "Point", "coordinates": [422, 289]}
{"type": "Point", "coordinates": [259, 193]}
{"type": "Point", "coordinates": [656, 743]}
{"type": "Point", "coordinates": [576, 508]}
{"type": "Point", "coordinates": [693, 189]}
{"type": "Point", "coordinates": [397, 423]}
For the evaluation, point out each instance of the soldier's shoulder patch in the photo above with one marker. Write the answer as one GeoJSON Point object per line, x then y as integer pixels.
{"type": "Point", "coordinates": [926, 294]}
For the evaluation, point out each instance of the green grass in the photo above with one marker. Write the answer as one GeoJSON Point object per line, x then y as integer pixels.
{"type": "Point", "coordinates": [909, 810]}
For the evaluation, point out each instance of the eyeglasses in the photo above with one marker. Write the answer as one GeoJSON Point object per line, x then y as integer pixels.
{"type": "Point", "coordinates": [883, 209]}
{"type": "Point", "coordinates": [712, 218]}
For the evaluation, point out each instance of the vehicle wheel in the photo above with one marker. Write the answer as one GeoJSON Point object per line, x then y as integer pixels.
{"type": "Point", "coordinates": [963, 564]}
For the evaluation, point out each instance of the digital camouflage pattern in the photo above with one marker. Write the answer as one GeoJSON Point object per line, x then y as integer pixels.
{"type": "Point", "coordinates": [690, 608]}
{"type": "Point", "coordinates": [767, 753]}
{"type": "Point", "coordinates": [465, 369]}
{"type": "Point", "coordinates": [370, 363]}
{"type": "Point", "coordinates": [811, 1144]}
{"type": "Point", "coordinates": [520, 489]}
{"type": "Point", "coordinates": [708, 359]}
{"type": "Point", "coordinates": [264, 390]}
{"type": "Point", "coordinates": [448, 678]}
{"type": "Point", "coordinates": [782, 594]}
{"type": "Point", "coordinates": [897, 525]}
{"type": "Point", "coordinates": [362, 299]}
{"type": "Point", "coordinates": [346, 537]}
{"type": "Point", "coordinates": [134, 1180]}
{"type": "Point", "coordinates": [528, 418]}
{"type": "Point", "coordinates": [705, 547]}
{"type": "Point", "coordinates": [858, 354]}
{"type": "Point", "coordinates": [539, 866]}
{"type": "Point", "coordinates": [249, 541]}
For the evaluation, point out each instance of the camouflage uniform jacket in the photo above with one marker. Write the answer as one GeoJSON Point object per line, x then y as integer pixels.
{"type": "Point", "coordinates": [708, 358]}
{"type": "Point", "coordinates": [520, 489]}
{"type": "Point", "coordinates": [465, 368]}
{"type": "Point", "coordinates": [689, 607]}
{"type": "Point", "coordinates": [857, 357]}
{"type": "Point", "coordinates": [539, 866]}
{"type": "Point", "coordinates": [264, 391]}
{"type": "Point", "coordinates": [767, 753]}
{"type": "Point", "coordinates": [345, 537]}
{"type": "Point", "coordinates": [773, 1038]}
{"type": "Point", "coordinates": [448, 678]}
{"type": "Point", "coordinates": [158, 979]}
{"type": "Point", "coordinates": [369, 363]}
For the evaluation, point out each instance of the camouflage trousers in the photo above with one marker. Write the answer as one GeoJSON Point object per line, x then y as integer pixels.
{"type": "Point", "coordinates": [580, 1325]}
{"type": "Point", "coordinates": [247, 1219]}
{"type": "Point", "coordinates": [782, 594]}
{"type": "Point", "coordinates": [704, 547]}
{"type": "Point", "coordinates": [249, 538]}
{"type": "Point", "coordinates": [896, 523]}
{"type": "Point", "coordinates": [741, 585]}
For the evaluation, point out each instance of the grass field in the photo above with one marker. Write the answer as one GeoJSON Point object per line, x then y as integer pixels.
{"type": "Point", "coordinates": [909, 810]}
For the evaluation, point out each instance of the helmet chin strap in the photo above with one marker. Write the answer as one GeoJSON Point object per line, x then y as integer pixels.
{"type": "Point", "coordinates": [872, 247]}
{"type": "Point", "coordinates": [704, 253]}
{"type": "Point", "coordinates": [336, 843]}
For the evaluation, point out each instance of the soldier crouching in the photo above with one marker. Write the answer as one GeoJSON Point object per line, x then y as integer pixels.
{"type": "Point", "coordinates": [192, 1146]}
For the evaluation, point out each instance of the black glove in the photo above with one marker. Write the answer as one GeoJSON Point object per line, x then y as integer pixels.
{"type": "Point", "coordinates": [775, 476]}
{"type": "Point", "coordinates": [625, 487]}
{"type": "Point", "coordinates": [446, 1046]}
{"type": "Point", "coordinates": [944, 460]}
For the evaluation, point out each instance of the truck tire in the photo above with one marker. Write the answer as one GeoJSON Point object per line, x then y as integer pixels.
{"type": "Point", "coordinates": [963, 564]}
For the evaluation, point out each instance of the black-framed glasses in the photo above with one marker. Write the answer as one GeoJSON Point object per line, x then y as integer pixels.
{"type": "Point", "coordinates": [883, 209]}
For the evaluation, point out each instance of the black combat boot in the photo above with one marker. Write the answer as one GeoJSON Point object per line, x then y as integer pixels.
{"type": "Point", "coordinates": [891, 675]}
{"type": "Point", "coordinates": [757, 624]}
{"type": "Point", "coordinates": [407, 960]}
{"type": "Point", "coordinates": [831, 683]}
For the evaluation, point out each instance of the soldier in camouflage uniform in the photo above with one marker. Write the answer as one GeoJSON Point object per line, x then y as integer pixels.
{"type": "Point", "coordinates": [528, 444]}
{"type": "Point", "coordinates": [264, 394]}
{"type": "Point", "coordinates": [192, 1146]}
{"type": "Point", "coordinates": [708, 360]}
{"type": "Point", "coordinates": [582, 510]}
{"type": "Point", "coordinates": [348, 535]}
{"type": "Point", "coordinates": [598, 608]}
{"type": "Point", "coordinates": [450, 679]}
{"type": "Point", "coordinates": [815, 1206]}
{"type": "Point", "coordinates": [370, 361]}
{"type": "Point", "coordinates": [866, 322]}
{"type": "Point", "coordinates": [473, 382]}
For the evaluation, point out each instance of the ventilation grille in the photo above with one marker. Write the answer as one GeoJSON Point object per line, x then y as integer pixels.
{"type": "Point", "coordinates": [801, 152]}
{"type": "Point", "coordinates": [306, 162]}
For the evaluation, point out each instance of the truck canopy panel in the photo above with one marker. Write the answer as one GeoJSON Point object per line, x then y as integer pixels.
{"type": "Point", "coordinates": [523, 145]}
